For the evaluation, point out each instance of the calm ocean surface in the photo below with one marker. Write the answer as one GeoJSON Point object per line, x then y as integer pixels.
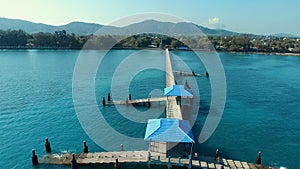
{"type": "Point", "coordinates": [262, 110]}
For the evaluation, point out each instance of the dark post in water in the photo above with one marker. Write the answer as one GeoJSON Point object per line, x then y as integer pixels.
{"type": "Point", "coordinates": [47, 146]}
{"type": "Point", "coordinates": [108, 97]}
{"type": "Point", "coordinates": [207, 75]}
{"type": "Point", "coordinates": [149, 103]}
{"type": "Point", "coordinates": [217, 154]}
{"type": "Point", "coordinates": [117, 165]}
{"type": "Point", "coordinates": [85, 147]}
{"type": "Point", "coordinates": [34, 158]}
{"type": "Point", "coordinates": [130, 97]}
{"type": "Point", "coordinates": [169, 165]}
{"type": "Point", "coordinates": [121, 147]}
{"type": "Point", "coordinates": [73, 162]}
{"type": "Point", "coordinates": [258, 158]}
{"type": "Point", "coordinates": [103, 101]}
{"type": "Point", "coordinates": [149, 158]}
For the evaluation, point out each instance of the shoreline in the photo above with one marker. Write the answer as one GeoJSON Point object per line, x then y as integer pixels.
{"type": "Point", "coordinates": [146, 48]}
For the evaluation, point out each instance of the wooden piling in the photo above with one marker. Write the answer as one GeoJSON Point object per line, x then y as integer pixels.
{"type": "Point", "coordinates": [190, 162]}
{"type": "Point", "coordinates": [169, 165]}
{"type": "Point", "coordinates": [47, 146]}
{"type": "Point", "coordinates": [258, 158]}
{"type": "Point", "coordinates": [149, 158]}
{"type": "Point", "coordinates": [103, 101]}
{"type": "Point", "coordinates": [149, 103]}
{"type": "Point", "coordinates": [127, 102]}
{"type": "Point", "coordinates": [108, 97]}
{"type": "Point", "coordinates": [121, 147]}
{"type": "Point", "coordinates": [85, 147]}
{"type": "Point", "coordinates": [217, 155]}
{"type": "Point", "coordinates": [130, 97]}
{"type": "Point", "coordinates": [117, 165]}
{"type": "Point", "coordinates": [34, 158]}
{"type": "Point", "coordinates": [73, 162]}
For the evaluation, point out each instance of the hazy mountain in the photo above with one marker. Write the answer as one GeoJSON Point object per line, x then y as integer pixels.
{"type": "Point", "coordinates": [152, 26]}
{"type": "Point", "coordinates": [31, 27]}
{"type": "Point", "coordinates": [27, 26]}
{"type": "Point", "coordinates": [283, 35]}
{"type": "Point", "coordinates": [81, 28]}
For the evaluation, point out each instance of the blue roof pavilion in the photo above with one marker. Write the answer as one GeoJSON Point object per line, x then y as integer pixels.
{"type": "Point", "coordinates": [178, 90]}
{"type": "Point", "coordinates": [169, 130]}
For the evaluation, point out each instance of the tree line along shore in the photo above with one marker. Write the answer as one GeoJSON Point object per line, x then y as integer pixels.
{"type": "Point", "coordinates": [19, 39]}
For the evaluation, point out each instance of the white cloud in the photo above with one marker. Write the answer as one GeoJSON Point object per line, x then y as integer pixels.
{"type": "Point", "coordinates": [215, 23]}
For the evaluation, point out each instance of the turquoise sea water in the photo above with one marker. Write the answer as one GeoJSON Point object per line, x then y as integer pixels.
{"type": "Point", "coordinates": [262, 110]}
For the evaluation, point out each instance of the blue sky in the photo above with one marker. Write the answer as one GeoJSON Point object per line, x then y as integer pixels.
{"type": "Point", "coordinates": [255, 16]}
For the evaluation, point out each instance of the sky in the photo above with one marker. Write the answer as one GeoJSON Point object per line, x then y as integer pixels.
{"type": "Point", "coordinates": [244, 16]}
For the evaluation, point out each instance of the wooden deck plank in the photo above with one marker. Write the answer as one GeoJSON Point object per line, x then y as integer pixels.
{"type": "Point", "coordinates": [245, 165]}
{"type": "Point", "coordinates": [203, 164]}
{"type": "Point", "coordinates": [258, 166]}
{"type": "Point", "coordinates": [231, 163]}
{"type": "Point", "coordinates": [238, 164]}
{"type": "Point", "coordinates": [225, 161]}
{"type": "Point", "coordinates": [196, 163]}
{"type": "Point", "coordinates": [211, 166]}
{"type": "Point", "coordinates": [252, 166]}
{"type": "Point", "coordinates": [219, 166]}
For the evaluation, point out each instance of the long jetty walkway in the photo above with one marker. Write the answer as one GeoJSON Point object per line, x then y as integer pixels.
{"type": "Point", "coordinates": [137, 101]}
{"type": "Point", "coordinates": [172, 109]}
{"type": "Point", "coordinates": [156, 155]}
{"type": "Point", "coordinates": [182, 73]}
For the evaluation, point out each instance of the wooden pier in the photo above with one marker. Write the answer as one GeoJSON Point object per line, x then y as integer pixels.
{"type": "Point", "coordinates": [157, 153]}
{"type": "Point", "coordinates": [138, 101]}
{"type": "Point", "coordinates": [172, 109]}
{"type": "Point", "coordinates": [182, 73]}
{"type": "Point", "coordinates": [147, 158]}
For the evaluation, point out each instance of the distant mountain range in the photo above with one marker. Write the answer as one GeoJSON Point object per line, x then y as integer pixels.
{"type": "Point", "coordinates": [284, 35]}
{"type": "Point", "coordinates": [82, 28]}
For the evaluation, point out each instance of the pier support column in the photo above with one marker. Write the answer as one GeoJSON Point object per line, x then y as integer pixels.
{"type": "Point", "coordinates": [258, 158]}
{"type": "Point", "coordinates": [149, 103]}
{"type": "Point", "coordinates": [47, 146]}
{"type": "Point", "coordinates": [127, 102]}
{"type": "Point", "coordinates": [217, 156]}
{"type": "Point", "coordinates": [85, 147]}
{"type": "Point", "coordinates": [130, 97]}
{"type": "Point", "coordinates": [149, 159]}
{"type": "Point", "coordinates": [103, 101]}
{"type": "Point", "coordinates": [108, 97]}
{"type": "Point", "coordinates": [121, 147]}
{"type": "Point", "coordinates": [117, 165]}
{"type": "Point", "coordinates": [34, 158]}
{"type": "Point", "coordinates": [73, 162]}
{"type": "Point", "coordinates": [190, 162]}
{"type": "Point", "coordinates": [169, 165]}
{"type": "Point", "coordinates": [207, 75]}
